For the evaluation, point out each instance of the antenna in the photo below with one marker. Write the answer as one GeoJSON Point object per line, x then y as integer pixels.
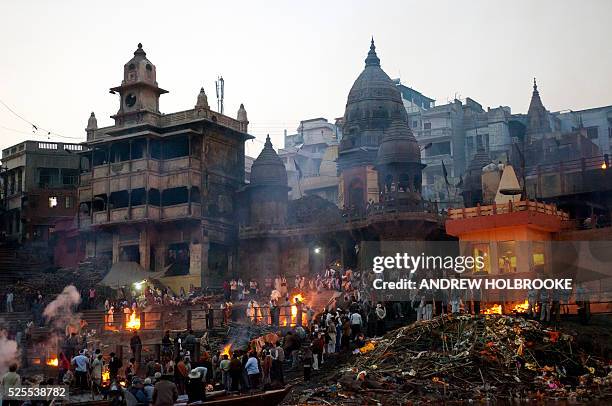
{"type": "Point", "coordinates": [220, 87]}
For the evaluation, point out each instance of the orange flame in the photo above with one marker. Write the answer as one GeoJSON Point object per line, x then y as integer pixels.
{"type": "Point", "coordinates": [105, 376]}
{"type": "Point", "coordinates": [294, 309]}
{"type": "Point", "coordinates": [134, 322]}
{"type": "Point", "coordinates": [226, 350]}
{"type": "Point", "coordinates": [521, 307]}
{"type": "Point", "coordinates": [495, 309]}
{"type": "Point", "coordinates": [53, 362]}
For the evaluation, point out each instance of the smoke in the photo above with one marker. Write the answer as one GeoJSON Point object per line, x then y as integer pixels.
{"type": "Point", "coordinates": [61, 310]}
{"type": "Point", "coordinates": [9, 353]}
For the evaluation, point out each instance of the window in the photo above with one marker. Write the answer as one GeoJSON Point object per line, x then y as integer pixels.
{"type": "Point", "coordinates": [438, 148]}
{"type": "Point", "coordinates": [506, 256]}
{"type": "Point", "coordinates": [429, 178]}
{"type": "Point", "coordinates": [427, 126]}
{"type": "Point", "coordinates": [52, 201]}
{"type": "Point", "coordinates": [592, 132]}
{"type": "Point", "coordinates": [469, 144]}
{"type": "Point", "coordinates": [539, 256]}
{"type": "Point", "coordinates": [68, 202]}
{"type": "Point", "coordinates": [415, 124]}
{"type": "Point", "coordinates": [482, 250]}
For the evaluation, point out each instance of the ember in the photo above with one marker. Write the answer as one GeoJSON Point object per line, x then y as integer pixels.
{"type": "Point", "coordinates": [495, 309]}
{"type": "Point", "coordinates": [521, 307]}
{"type": "Point", "coordinates": [53, 362]}
{"type": "Point", "coordinates": [226, 350]}
{"type": "Point", "coordinates": [134, 322]}
{"type": "Point", "coordinates": [105, 377]}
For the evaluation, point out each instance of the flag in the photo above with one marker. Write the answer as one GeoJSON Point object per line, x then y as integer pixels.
{"type": "Point", "coordinates": [300, 174]}
{"type": "Point", "coordinates": [445, 173]}
{"type": "Point", "coordinates": [460, 184]}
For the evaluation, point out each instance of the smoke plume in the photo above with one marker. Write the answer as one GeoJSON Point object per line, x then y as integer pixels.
{"type": "Point", "coordinates": [9, 353]}
{"type": "Point", "coordinates": [61, 310]}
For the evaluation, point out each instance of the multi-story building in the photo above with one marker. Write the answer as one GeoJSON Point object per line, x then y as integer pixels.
{"type": "Point", "coordinates": [597, 122]}
{"type": "Point", "coordinates": [159, 188]}
{"type": "Point", "coordinates": [39, 181]}
{"type": "Point", "coordinates": [310, 158]}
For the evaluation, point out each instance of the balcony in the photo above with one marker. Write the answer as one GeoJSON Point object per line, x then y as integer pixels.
{"type": "Point", "coordinates": [143, 212]}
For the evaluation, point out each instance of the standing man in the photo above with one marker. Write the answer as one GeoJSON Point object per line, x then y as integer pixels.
{"type": "Point", "coordinates": [81, 363]}
{"type": "Point", "coordinates": [9, 302]}
{"type": "Point", "coordinates": [381, 314]}
{"type": "Point", "coordinates": [136, 346]}
{"type": "Point", "coordinates": [355, 324]}
{"type": "Point", "coordinates": [165, 392]}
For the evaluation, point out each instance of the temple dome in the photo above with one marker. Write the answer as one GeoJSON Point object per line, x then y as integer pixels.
{"type": "Point", "coordinates": [268, 169]}
{"type": "Point", "coordinates": [373, 103]}
{"type": "Point", "coordinates": [398, 145]}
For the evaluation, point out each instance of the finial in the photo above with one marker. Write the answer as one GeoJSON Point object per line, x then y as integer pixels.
{"type": "Point", "coordinates": [140, 51]}
{"type": "Point", "coordinates": [372, 59]}
{"type": "Point", "coordinates": [535, 85]}
{"type": "Point", "coordinates": [268, 143]}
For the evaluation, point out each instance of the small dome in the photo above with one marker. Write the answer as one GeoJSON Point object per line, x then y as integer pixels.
{"type": "Point", "coordinates": [398, 145]}
{"type": "Point", "coordinates": [268, 169]}
{"type": "Point", "coordinates": [92, 123]}
{"type": "Point", "coordinates": [202, 102]}
{"type": "Point", "coordinates": [242, 114]}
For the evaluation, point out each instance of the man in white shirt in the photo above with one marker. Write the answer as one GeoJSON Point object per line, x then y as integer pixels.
{"type": "Point", "coordinates": [81, 362]}
{"type": "Point", "coordinates": [355, 320]}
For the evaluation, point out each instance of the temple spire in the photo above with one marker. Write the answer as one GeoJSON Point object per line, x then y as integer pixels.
{"type": "Point", "coordinates": [537, 116]}
{"type": "Point", "coordinates": [372, 59]}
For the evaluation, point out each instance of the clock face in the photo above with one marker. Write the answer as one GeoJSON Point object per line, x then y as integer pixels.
{"type": "Point", "coordinates": [130, 100]}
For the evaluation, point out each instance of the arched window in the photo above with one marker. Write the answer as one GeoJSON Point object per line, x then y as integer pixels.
{"type": "Point", "coordinates": [404, 182]}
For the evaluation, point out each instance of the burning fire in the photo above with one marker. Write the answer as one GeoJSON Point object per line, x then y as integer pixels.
{"type": "Point", "coordinates": [134, 322]}
{"type": "Point", "coordinates": [226, 350]}
{"type": "Point", "coordinates": [294, 309]}
{"type": "Point", "coordinates": [521, 307]}
{"type": "Point", "coordinates": [54, 362]}
{"type": "Point", "coordinates": [495, 309]}
{"type": "Point", "coordinates": [105, 376]}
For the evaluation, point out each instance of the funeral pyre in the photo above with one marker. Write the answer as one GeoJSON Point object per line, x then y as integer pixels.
{"type": "Point", "coordinates": [466, 358]}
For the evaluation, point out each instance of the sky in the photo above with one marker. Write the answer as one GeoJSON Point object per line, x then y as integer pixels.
{"type": "Point", "coordinates": [288, 61]}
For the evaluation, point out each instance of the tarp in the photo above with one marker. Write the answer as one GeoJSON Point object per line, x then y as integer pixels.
{"type": "Point", "coordinates": [126, 274]}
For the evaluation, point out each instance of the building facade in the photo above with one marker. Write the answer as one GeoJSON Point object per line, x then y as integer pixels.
{"type": "Point", "coordinates": [159, 189]}
{"type": "Point", "coordinates": [310, 158]}
{"type": "Point", "coordinates": [39, 188]}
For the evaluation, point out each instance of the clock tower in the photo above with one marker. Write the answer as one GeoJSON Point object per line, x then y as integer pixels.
{"type": "Point", "coordinates": [139, 92]}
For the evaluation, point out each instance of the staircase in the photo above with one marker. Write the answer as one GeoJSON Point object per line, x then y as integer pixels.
{"type": "Point", "coordinates": [14, 267]}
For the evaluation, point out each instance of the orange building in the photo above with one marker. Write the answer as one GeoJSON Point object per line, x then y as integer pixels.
{"type": "Point", "coordinates": [513, 238]}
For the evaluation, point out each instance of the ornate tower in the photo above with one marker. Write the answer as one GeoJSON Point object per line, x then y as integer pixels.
{"type": "Point", "coordinates": [139, 92]}
{"type": "Point", "coordinates": [399, 166]}
{"type": "Point", "coordinates": [268, 188]}
{"type": "Point", "coordinates": [92, 126]}
{"type": "Point", "coordinates": [373, 104]}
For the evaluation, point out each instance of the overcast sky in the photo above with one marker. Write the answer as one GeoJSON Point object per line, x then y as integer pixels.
{"type": "Point", "coordinates": [289, 60]}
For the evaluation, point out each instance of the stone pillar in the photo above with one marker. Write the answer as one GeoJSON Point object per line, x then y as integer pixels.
{"type": "Point", "coordinates": [115, 247]}
{"type": "Point", "coordinates": [205, 279]}
{"type": "Point", "coordinates": [144, 248]}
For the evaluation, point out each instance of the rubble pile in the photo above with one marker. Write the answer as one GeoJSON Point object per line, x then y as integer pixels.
{"type": "Point", "coordinates": [467, 358]}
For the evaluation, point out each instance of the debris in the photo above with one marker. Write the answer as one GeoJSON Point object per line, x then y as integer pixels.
{"type": "Point", "coordinates": [462, 357]}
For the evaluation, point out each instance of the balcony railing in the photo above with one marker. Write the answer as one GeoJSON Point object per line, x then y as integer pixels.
{"type": "Point", "coordinates": [143, 212]}
{"type": "Point", "coordinates": [510, 207]}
